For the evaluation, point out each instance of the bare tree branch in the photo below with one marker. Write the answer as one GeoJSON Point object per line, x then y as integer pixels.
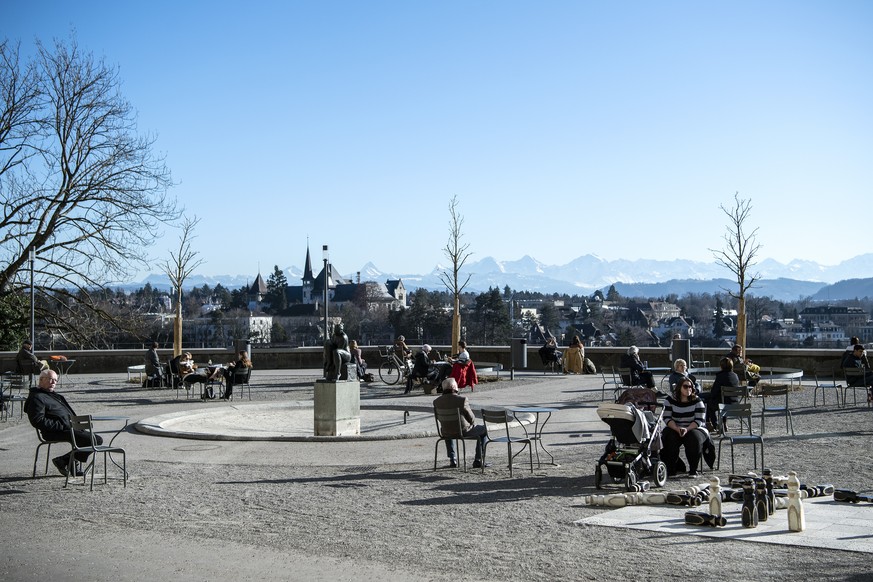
{"type": "Point", "coordinates": [456, 252]}
{"type": "Point", "coordinates": [181, 264]}
{"type": "Point", "coordinates": [78, 184]}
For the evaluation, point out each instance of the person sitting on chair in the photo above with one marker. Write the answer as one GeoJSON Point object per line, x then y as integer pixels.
{"type": "Point", "coordinates": [679, 373]}
{"type": "Point", "coordinates": [744, 367]}
{"type": "Point", "coordinates": [51, 415]}
{"type": "Point", "coordinates": [684, 417]}
{"type": "Point", "coordinates": [858, 360]}
{"type": "Point", "coordinates": [574, 357]}
{"type": "Point", "coordinates": [725, 378]}
{"type": "Point", "coordinates": [189, 375]}
{"type": "Point", "coordinates": [231, 370]}
{"type": "Point", "coordinates": [639, 376]}
{"type": "Point", "coordinates": [26, 362]}
{"type": "Point", "coordinates": [420, 367]}
{"type": "Point", "coordinates": [549, 353]}
{"type": "Point", "coordinates": [451, 399]}
{"type": "Point", "coordinates": [463, 370]}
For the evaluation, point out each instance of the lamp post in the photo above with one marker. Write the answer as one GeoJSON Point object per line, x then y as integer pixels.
{"type": "Point", "coordinates": [32, 258]}
{"type": "Point", "coordinates": [326, 256]}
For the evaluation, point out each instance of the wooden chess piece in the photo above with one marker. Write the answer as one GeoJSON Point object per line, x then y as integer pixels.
{"type": "Point", "coordinates": [676, 498]}
{"type": "Point", "coordinates": [761, 499]}
{"type": "Point", "coordinates": [639, 486]}
{"type": "Point", "coordinates": [651, 498]}
{"type": "Point", "coordinates": [750, 508]}
{"type": "Point", "coordinates": [612, 500]}
{"type": "Point", "coordinates": [771, 498]}
{"type": "Point", "coordinates": [697, 489]}
{"type": "Point", "coordinates": [701, 518]}
{"type": "Point", "coordinates": [796, 519]}
{"type": "Point", "coordinates": [849, 496]}
{"type": "Point", "coordinates": [714, 497]}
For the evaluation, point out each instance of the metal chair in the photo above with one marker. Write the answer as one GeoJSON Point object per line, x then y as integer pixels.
{"type": "Point", "coordinates": [11, 386]}
{"type": "Point", "coordinates": [856, 379]}
{"type": "Point", "coordinates": [771, 391]}
{"type": "Point", "coordinates": [615, 384]}
{"type": "Point", "coordinates": [825, 379]}
{"type": "Point", "coordinates": [242, 378]}
{"type": "Point", "coordinates": [740, 395]}
{"type": "Point", "coordinates": [740, 412]}
{"type": "Point", "coordinates": [449, 423]}
{"type": "Point", "coordinates": [498, 418]}
{"type": "Point", "coordinates": [44, 442]}
{"type": "Point", "coordinates": [84, 422]}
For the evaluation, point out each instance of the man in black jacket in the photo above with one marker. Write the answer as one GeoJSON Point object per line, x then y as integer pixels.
{"type": "Point", "coordinates": [50, 413]}
{"type": "Point", "coordinates": [26, 361]}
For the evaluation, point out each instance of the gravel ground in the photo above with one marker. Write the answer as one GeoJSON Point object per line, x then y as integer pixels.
{"type": "Point", "coordinates": [277, 517]}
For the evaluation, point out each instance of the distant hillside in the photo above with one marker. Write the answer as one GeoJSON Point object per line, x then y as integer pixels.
{"type": "Point", "coordinates": [588, 273]}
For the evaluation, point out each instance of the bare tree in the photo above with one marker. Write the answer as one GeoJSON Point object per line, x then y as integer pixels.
{"type": "Point", "coordinates": [78, 185]}
{"type": "Point", "coordinates": [181, 264]}
{"type": "Point", "coordinates": [456, 252]}
{"type": "Point", "coordinates": [741, 248]}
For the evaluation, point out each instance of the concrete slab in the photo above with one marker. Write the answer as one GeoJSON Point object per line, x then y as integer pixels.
{"type": "Point", "coordinates": [829, 524]}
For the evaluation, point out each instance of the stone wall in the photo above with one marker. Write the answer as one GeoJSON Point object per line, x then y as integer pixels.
{"type": "Point", "coordinates": [108, 361]}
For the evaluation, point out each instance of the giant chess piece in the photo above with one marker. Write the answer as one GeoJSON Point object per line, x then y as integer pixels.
{"type": "Point", "coordinates": [701, 518]}
{"type": "Point", "coordinates": [651, 498]}
{"type": "Point", "coordinates": [715, 497]}
{"type": "Point", "coordinates": [750, 506]}
{"type": "Point", "coordinates": [771, 497]}
{"type": "Point", "coordinates": [679, 498]}
{"type": "Point", "coordinates": [612, 500]}
{"type": "Point", "coordinates": [762, 502]}
{"type": "Point", "coordinates": [796, 520]}
{"type": "Point", "coordinates": [849, 496]}
{"type": "Point", "coordinates": [817, 490]}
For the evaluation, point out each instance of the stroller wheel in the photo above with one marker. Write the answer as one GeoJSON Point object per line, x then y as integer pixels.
{"type": "Point", "coordinates": [660, 474]}
{"type": "Point", "coordinates": [630, 480]}
{"type": "Point", "coordinates": [598, 477]}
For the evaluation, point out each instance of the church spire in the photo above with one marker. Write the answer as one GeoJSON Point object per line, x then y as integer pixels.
{"type": "Point", "coordinates": [307, 267]}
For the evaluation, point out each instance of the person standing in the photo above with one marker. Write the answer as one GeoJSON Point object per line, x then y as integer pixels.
{"type": "Point", "coordinates": [51, 414]}
{"type": "Point", "coordinates": [154, 371]}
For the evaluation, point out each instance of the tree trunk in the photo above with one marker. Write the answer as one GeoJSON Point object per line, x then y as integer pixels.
{"type": "Point", "coordinates": [741, 322]}
{"type": "Point", "coordinates": [456, 326]}
{"type": "Point", "coordinates": [177, 326]}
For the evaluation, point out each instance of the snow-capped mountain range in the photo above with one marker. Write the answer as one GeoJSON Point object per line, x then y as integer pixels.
{"type": "Point", "coordinates": [585, 274]}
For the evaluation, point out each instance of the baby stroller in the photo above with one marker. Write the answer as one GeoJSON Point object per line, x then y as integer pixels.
{"type": "Point", "coordinates": [632, 452]}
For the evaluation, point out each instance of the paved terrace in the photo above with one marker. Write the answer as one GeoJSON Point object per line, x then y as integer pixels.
{"type": "Point", "coordinates": [242, 489]}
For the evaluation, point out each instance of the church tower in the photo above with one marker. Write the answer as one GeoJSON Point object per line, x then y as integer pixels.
{"type": "Point", "coordinates": [308, 279]}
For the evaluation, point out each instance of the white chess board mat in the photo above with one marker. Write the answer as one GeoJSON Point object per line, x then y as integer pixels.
{"type": "Point", "coordinates": [829, 524]}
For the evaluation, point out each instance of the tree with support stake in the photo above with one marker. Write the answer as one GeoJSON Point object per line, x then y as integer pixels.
{"type": "Point", "coordinates": [738, 255]}
{"type": "Point", "coordinates": [457, 253]}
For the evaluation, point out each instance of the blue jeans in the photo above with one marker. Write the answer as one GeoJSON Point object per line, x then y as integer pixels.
{"type": "Point", "coordinates": [477, 431]}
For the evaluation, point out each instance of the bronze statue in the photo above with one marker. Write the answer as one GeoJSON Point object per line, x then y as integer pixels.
{"type": "Point", "coordinates": [337, 355]}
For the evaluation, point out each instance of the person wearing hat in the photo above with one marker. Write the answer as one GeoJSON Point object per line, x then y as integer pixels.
{"type": "Point", "coordinates": [451, 399]}
{"type": "Point", "coordinates": [26, 362]}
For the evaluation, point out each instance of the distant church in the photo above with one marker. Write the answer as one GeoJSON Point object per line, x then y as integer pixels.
{"type": "Point", "coordinates": [307, 299]}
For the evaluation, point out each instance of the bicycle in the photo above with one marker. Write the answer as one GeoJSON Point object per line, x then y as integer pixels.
{"type": "Point", "coordinates": [392, 369]}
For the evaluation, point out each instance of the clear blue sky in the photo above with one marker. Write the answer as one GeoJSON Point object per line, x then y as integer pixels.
{"type": "Point", "coordinates": [565, 128]}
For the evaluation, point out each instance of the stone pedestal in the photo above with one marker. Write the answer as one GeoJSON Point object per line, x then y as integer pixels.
{"type": "Point", "coordinates": [337, 408]}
